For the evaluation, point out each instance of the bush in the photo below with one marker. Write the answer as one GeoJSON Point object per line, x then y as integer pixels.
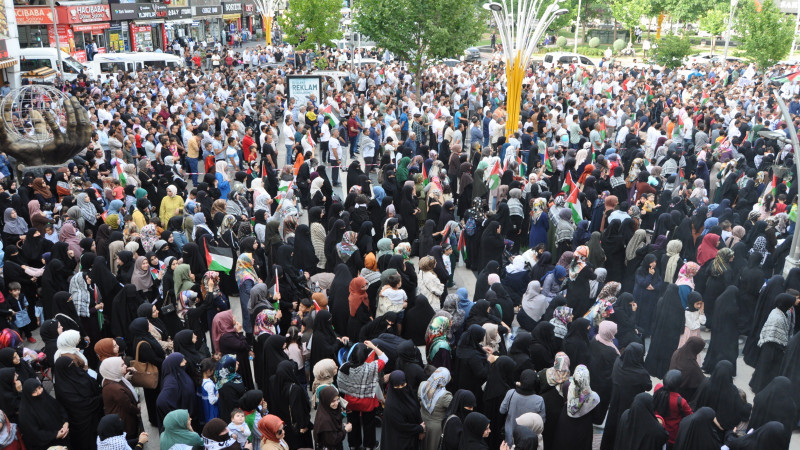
{"type": "Point", "coordinates": [561, 42]}
{"type": "Point", "coordinates": [594, 42]}
{"type": "Point", "coordinates": [619, 44]}
{"type": "Point", "coordinates": [671, 50]}
{"type": "Point", "coordinates": [589, 51]}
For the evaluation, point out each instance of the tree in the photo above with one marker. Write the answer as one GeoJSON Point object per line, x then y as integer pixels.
{"type": "Point", "coordinates": [715, 22]}
{"type": "Point", "coordinates": [312, 23]}
{"type": "Point", "coordinates": [629, 13]}
{"type": "Point", "coordinates": [765, 35]}
{"type": "Point", "coordinates": [671, 50]}
{"type": "Point", "coordinates": [687, 11]}
{"type": "Point", "coordinates": [420, 31]}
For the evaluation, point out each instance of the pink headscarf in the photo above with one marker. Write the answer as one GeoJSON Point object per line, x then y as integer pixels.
{"type": "Point", "coordinates": [606, 333]}
{"type": "Point", "coordinates": [67, 234]}
{"type": "Point", "coordinates": [687, 273]}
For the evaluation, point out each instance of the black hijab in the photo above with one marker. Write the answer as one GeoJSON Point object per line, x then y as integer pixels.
{"type": "Point", "coordinates": [638, 427]}
{"type": "Point", "coordinates": [576, 343]}
{"type": "Point", "coordinates": [698, 432]}
{"type": "Point", "coordinates": [304, 255]}
{"type": "Point", "coordinates": [720, 394]}
{"type": "Point", "coordinates": [544, 345]}
{"type": "Point", "coordinates": [501, 378]}
{"type": "Point", "coordinates": [9, 397]}
{"type": "Point", "coordinates": [774, 403]}
{"type": "Point", "coordinates": [472, 436]}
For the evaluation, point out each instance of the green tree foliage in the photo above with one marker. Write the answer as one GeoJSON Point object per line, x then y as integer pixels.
{"type": "Point", "coordinates": [628, 13]}
{"type": "Point", "coordinates": [420, 31]}
{"type": "Point", "coordinates": [715, 21]}
{"type": "Point", "coordinates": [671, 50]}
{"type": "Point", "coordinates": [686, 11]}
{"type": "Point", "coordinates": [312, 23]}
{"type": "Point", "coordinates": [765, 35]}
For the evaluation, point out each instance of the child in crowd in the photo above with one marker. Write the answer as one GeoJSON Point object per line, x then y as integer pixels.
{"type": "Point", "coordinates": [294, 349]}
{"type": "Point", "coordinates": [238, 429]}
{"type": "Point", "coordinates": [392, 297]}
{"type": "Point", "coordinates": [695, 318]}
{"type": "Point", "coordinates": [50, 233]}
{"type": "Point", "coordinates": [208, 390]}
{"type": "Point", "coordinates": [19, 305]}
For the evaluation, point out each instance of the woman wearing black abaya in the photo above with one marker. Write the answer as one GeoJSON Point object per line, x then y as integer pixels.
{"type": "Point", "coordinates": [520, 353]}
{"type": "Point", "coordinates": [472, 363]}
{"type": "Point", "coordinates": [625, 317]}
{"type": "Point", "coordinates": [338, 298]}
{"type": "Point", "coordinates": [725, 335]}
{"type": "Point", "coordinates": [775, 403]}
{"type": "Point", "coordinates": [417, 318]}
{"type": "Point", "coordinates": [492, 244]}
{"type": "Point", "coordinates": [124, 310]}
{"type": "Point", "coordinates": [54, 280]}
{"type": "Point", "coordinates": [408, 274]}
{"type": "Point", "coordinates": [42, 420]}
{"type": "Point", "coordinates": [402, 422]}
{"type": "Point", "coordinates": [750, 283]}
{"type": "Point", "coordinates": [325, 343]}
{"type": "Point", "coordinates": [552, 390]}
{"type": "Point", "coordinates": [476, 429]}
{"type": "Point", "coordinates": [770, 435]}
{"type": "Point", "coordinates": [303, 255]}
{"type": "Point", "coordinates": [194, 352]}
{"type": "Point", "coordinates": [764, 305]}
{"type": "Point", "coordinates": [334, 237]}
{"type": "Point", "coordinates": [426, 238]}
{"type": "Point", "coordinates": [614, 247]}
{"type": "Point", "coordinates": [543, 346]}
{"type": "Point", "coordinates": [482, 279]}
{"type": "Point", "coordinates": [151, 352]}
{"type": "Point", "coordinates": [274, 353]}
{"type": "Point", "coordinates": [790, 369]}
{"type": "Point", "coordinates": [773, 339]}
{"type": "Point", "coordinates": [81, 398]}
{"type": "Point", "coordinates": [125, 266]}
{"type": "Point", "coordinates": [669, 325]}
{"type": "Point", "coordinates": [629, 378]}
{"type": "Point", "coordinates": [685, 360]}
{"type": "Point", "coordinates": [453, 425]}
{"type": "Point", "coordinates": [603, 356]}
{"type": "Point", "coordinates": [698, 431]}
{"type": "Point", "coordinates": [177, 388]}
{"type": "Point", "coordinates": [720, 394]}
{"type": "Point", "coordinates": [290, 402]}
{"type": "Point", "coordinates": [10, 396]}
{"type": "Point", "coordinates": [500, 380]}
{"type": "Point", "coordinates": [34, 246]}
{"type": "Point", "coordinates": [576, 343]}
{"type": "Point", "coordinates": [407, 210]}
{"type": "Point", "coordinates": [638, 427]}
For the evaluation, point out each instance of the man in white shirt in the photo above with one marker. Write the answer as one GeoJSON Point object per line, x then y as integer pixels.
{"type": "Point", "coordinates": [324, 139]}
{"type": "Point", "coordinates": [334, 155]}
{"type": "Point", "coordinates": [288, 136]}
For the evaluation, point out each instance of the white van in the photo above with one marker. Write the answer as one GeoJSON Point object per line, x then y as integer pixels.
{"type": "Point", "coordinates": [565, 59]}
{"type": "Point", "coordinates": [108, 63]}
{"type": "Point", "coordinates": [35, 58]}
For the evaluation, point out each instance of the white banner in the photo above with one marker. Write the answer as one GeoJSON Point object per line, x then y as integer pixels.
{"type": "Point", "coordinates": [302, 87]}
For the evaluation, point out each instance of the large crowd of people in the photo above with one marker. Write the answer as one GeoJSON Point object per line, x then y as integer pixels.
{"type": "Point", "coordinates": [631, 215]}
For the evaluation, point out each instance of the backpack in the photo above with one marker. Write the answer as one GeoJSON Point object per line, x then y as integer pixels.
{"type": "Point", "coordinates": [470, 226]}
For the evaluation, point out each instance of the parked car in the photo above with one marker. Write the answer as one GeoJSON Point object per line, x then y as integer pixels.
{"type": "Point", "coordinates": [565, 59]}
{"type": "Point", "coordinates": [472, 54]}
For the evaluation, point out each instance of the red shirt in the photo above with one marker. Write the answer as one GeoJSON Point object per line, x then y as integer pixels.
{"type": "Point", "coordinates": [352, 124]}
{"type": "Point", "coordinates": [365, 404]}
{"type": "Point", "coordinates": [678, 409]}
{"type": "Point", "coordinates": [247, 141]}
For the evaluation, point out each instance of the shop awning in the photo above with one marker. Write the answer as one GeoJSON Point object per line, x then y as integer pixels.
{"type": "Point", "coordinates": [94, 27]}
{"type": "Point", "coordinates": [236, 16]}
{"type": "Point", "coordinates": [181, 22]}
{"type": "Point", "coordinates": [7, 62]}
{"type": "Point", "coordinates": [143, 23]}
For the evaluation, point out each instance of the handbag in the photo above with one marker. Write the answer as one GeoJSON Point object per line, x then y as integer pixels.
{"type": "Point", "coordinates": [146, 374]}
{"type": "Point", "coordinates": [169, 304]}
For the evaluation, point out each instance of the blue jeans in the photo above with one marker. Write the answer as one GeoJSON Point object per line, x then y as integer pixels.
{"type": "Point", "coordinates": [354, 145]}
{"type": "Point", "coordinates": [244, 298]}
{"type": "Point", "coordinates": [289, 155]}
{"type": "Point", "coordinates": [192, 162]}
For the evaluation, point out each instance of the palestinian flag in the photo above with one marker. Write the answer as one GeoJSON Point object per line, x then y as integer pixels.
{"type": "Point", "coordinates": [522, 167]}
{"type": "Point", "coordinates": [263, 169]}
{"type": "Point", "coordinates": [609, 92]}
{"type": "Point", "coordinates": [473, 91]}
{"type": "Point", "coordinates": [219, 259]}
{"type": "Point", "coordinates": [572, 204]}
{"type": "Point", "coordinates": [123, 180]}
{"type": "Point", "coordinates": [625, 83]}
{"type": "Point", "coordinates": [462, 246]}
{"type": "Point", "coordinates": [494, 176]}
{"type": "Point", "coordinates": [680, 175]}
{"type": "Point", "coordinates": [328, 113]}
{"type": "Point", "coordinates": [774, 185]}
{"type": "Point", "coordinates": [425, 180]}
{"type": "Point", "coordinates": [704, 98]}
{"type": "Point", "coordinates": [679, 127]}
{"type": "Point", "coordinates": [649, 90]}
{"type": "Point", "coordinates": [569, 185]}
{"type": "Point", "coordinates": [438, 113]}
{"type": "Point", "coordinates": [310, 140]}
{"type": "Point", "coordinates": [602, 133]}
{"type": "Point", "coordinates": [786, 78]}
{"type": "Point", "coordinates": [547, 164]}
{"type": "Point", "coordinates": [283, 188]}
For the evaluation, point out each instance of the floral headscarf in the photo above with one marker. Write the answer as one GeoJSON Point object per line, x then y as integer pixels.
{"type": "Point", "coordinates": [403, 249]}
{"type": "Point", "coordinates": [226, 371]}
{"type": "Point", "coordinates": [562, 314]}
{"type": "Point", "coordinates": [580, 397]}
{"type": "Point", "coordinates": [436, 336]}
{"type": "Point", "coordinates": [687, 273]}
{"type": "Point", "coordinates": [347, 247]}
{"type": "Point", "coordinates": [601, 309]}
{"type": "Point", "coordinates": [538, 208]}
{"type": "Point", "coordinates": [265, 322]}
{"type": "Point", "coordinates": [149, 236]}
{"type": "Point", "coordinates": [209, 276]}
{"type": "Point", "coordinates": [245, 269]}
{"type": "Point", "coordinates": [610, 290]}
{"type": "Point", "coordinates": [431, 390]}
{"type": "Point", "coordinates": [559, 373]}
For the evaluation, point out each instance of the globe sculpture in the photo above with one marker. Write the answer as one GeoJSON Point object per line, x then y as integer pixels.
{"type": "Point", "coordinates": [24, 118]}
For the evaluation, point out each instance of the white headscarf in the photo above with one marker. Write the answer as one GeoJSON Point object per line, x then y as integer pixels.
{"type": "Point", "coordinates": [111, 369]}
{"type": "Point", "coordinates": [67, 343]}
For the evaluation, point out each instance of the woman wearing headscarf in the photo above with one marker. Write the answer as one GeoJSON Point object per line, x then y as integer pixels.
{"type": "Point", "coordinates": [472, 363]}
{"type": "Point", "coordinates": [720, 394]}
{"type": "Point", "coordinates": [519, 400]}
{"type": "Point", "coordinates": [229, 339]}
{"type": "Point", "coordinates": [579, 274]}
{"type": "Point", "coordinates": [698, 431]}
{"type": "Point", "coordinates": [462, 404]}
{"type": "Point", "coordinates": [476, 429]}
{"type": "Point", "coordinates": [80, 396]}
{"type": "Point", "coordinates": [629, 378]}
{"type": "Point", "coordinates": [724, 343]}
{"type": "Point", "coordinates": [684, 359]}
{"type": "Point", "coordinates": [177, 387]}
{"type": "Point", "coordinates": [178, 431]}
{"type": "Point", "coordinates": [669, 325]}
{"type": "Point", "coordinates": [146, 349]}
{"type": "Point", "coordinates": [357, 381]}
{"type": "Point", "coordinates": [647, 286]}
{"type": "Point", "coordinates": [403, 424]}
{"type": "Point", "coordinates": [534, 304]}
{"type": "Point", "coordinates": [769, 435]}
{"type": "Point", "coordinates": [576, 343]}
{"type": "Point", "coordinates": [359, 311]}
{"type": "Point", "coordinates": [613, 245]}
{"type": "Point", "coordinates": [435, 401]}
{"type": "Point", "coordinates": [499, 381]}
{"type": "Point", "coordinates": [639, 427]}
{"type": "Point", "coordinates": [111, 435]}
{"type": "Point", "coordinates": [574, 430]}
{"type": "Point", "coordinates": [773, 339]}
{"type": "Point", "coordinates": [437, 342]}
{"type": "Point", "coordinates": [119, 395]}
{"type": "Point", "coordinates": [773, 403]}
{"type": "Point", "coordinates": [42, 420]}
{"type": "Point", "coordinates": [329, 428]}
{"type": "Point", "coordinates": [125, 267]}
{"type": "Point", "coordinates": [14, 227]}
{"type": "Point", "coordinates": [601, 364]}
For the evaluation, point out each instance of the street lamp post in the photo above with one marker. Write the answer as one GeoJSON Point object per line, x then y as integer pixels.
{"type": "Point", "coordinates": [730, 23]}
{"type": "Point", "coordinates": [577, 28]}
{"type": "Point", "coordinates": [521, 28]}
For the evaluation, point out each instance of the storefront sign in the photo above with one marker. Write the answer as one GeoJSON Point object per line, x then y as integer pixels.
{"type": "Point", "coordinates": [203, 11]}
{"type": "Point", "coordinates": [301, 87]}
{"type": "Point", "coordinates": [66, 38]}
{"type": "Point", "coordinates": [249, 10]}
{"type": "Point", "coordinates": [83, 13]}
{"type": "Point", "coordinates": [231, 8]}
{"type": "Point", "coordinates": [138, 11]}
{"type": "Point", "coordinates": [179, 13]}
{"type": "Point", "coordinates": [91, 28]}
{"type": "Point", "coordinates": [3, 49]}
{"type": "Point", "coordinates": [33, 16]}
